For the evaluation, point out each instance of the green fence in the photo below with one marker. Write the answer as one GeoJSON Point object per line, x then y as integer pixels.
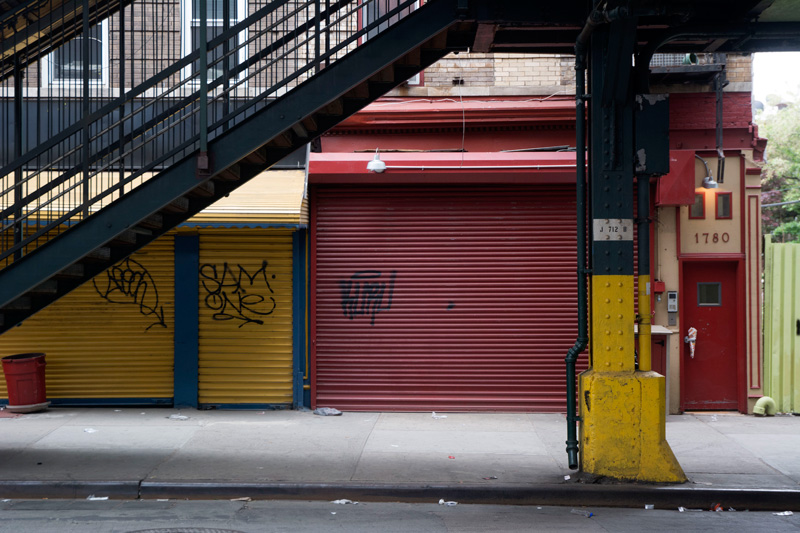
{"type": "Point", "coordinates": [782, 324]}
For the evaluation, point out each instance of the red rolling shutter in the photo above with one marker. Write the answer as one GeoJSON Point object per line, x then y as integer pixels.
{"type": "Point", "coordinates": [443, 298]}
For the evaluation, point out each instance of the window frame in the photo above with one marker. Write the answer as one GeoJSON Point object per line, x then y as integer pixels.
{"type": "Point", "coordinates": [719, 293]}
{"type": "Point", "coordinates": [188, 23]}
{"type": "Point", "coordinates": [702, 194]}
{"type": "Point", "coordinates": [719, 195]}
{"type": "Point", "coordinates": [48, 64]}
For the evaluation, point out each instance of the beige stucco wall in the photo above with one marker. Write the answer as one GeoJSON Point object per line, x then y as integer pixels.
{"type": "Point", "coordinates": [666, 266]}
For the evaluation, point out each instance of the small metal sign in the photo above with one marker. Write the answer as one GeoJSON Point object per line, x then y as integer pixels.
{"type": "Point", "coordinates": [613, 229]}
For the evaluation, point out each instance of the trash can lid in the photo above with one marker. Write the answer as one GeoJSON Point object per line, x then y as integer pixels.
{"type": "Point", "coordinates": [22, 356]}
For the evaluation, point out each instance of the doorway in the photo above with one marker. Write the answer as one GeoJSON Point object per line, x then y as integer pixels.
{"type": "Point", "coordinates": [709, 376]}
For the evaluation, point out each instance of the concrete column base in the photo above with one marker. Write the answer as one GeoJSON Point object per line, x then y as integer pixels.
{"type": "Point", "coordinates": [623, 426]}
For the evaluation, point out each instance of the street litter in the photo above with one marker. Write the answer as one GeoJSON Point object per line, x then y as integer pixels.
{"type": "Point", "coordinates": [717, 507]}
{"type": "Point", "coordinates": [731, 510]}
{"type": "Point", "coordinates": [178, 417]}
{"type": "Point", "coordinates": [566, 478]}
{"type": "Point", "coordinates": [6, 501]}
{"type": "Point", "coordinates": [582, 512]}
{"type": "Point", "coordinates": [451, 456]}
{"type": "Point", "coordinates": [90, 430]}
{"type": "Point", "coordinates": [327, 411]}
{"type": "Point", "coordinates": [684, 509]}
{"type": "Point", "coordinates": [244, 499]}
{"type": "Point", "coordinates": [784, 513]}
{"type": "Point", "coordinates": [649, 506]}
{"type": "Point", "coordinates": [333, 512]}
{"type": "Point", "coordinates": [97, 498]}
{"type": "Point", "coordinates": [490, 477]}
{"type": "Point", "coordinates": [344, 502]}
{"type": "Point", "coordinates": [449, 504]}
{"type": "Point", "coordinates": [438, 416]}
{"type": "Point", "coordinates": [164, 500]}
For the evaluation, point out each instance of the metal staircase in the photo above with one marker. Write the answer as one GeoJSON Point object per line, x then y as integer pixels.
{"type": "Point", "coordinates": [193, 117]}
{"type": "Point", "coordinates": [73, 205]}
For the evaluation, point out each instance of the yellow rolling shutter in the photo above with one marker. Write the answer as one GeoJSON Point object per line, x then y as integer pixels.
{"type": "Point", "coordinates": [111, 338]}
{"type": "Point", "coordinates": [245, 317]}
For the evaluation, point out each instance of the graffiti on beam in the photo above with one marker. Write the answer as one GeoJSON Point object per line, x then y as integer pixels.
{"type": "Point", "coordinates": [130, 283]}
{"type": "Point", "coordinates": [231, 292]}
{"type": "Point", "coordinates": [367, 293]}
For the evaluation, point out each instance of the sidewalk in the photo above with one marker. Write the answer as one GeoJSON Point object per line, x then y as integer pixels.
{"type": "Point", "coordinates": [744, 461]}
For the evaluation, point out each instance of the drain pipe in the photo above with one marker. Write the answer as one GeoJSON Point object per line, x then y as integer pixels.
{"type": "Point", "coordinates": [581, 342]}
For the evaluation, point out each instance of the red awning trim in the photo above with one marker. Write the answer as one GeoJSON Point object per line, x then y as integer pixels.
{"type": "Point", "coordinates": [444, 167]}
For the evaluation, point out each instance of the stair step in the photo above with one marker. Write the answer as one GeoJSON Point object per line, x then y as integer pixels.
{"type": "Point", "coordinates": [335, 108]}
{"type": "Point", "coordinates": [72, 271]}
{"type": "Point", "coordinates": [179, 205]}
{"type": "Point", "coordinates": [100, 254]}
{"type": "Point", "coordinates": [300, 130]}
{"type": "Point", "coordinates": [387, 74]}
{"type": "Point", "coordinates": [284, 140]}
{"type": "Point", "coordinates": [204, 190]}
{"type": "Point", "coordinates": [310, 124]}
{"type": "Point", "coordinates": [232, 173]}
{"type": "Point", "coordinates": [259, 157]}
{"type": "Point", "coordinates": [48, 287]}
{"type": "Point", "coordinates": [127, 237]}
{"type": "Point", "coordinates": [23, 303]}
{"type": "Point", "coordinates": [359, 91]}
{"type": "Point", "coordinates": [154, 221]}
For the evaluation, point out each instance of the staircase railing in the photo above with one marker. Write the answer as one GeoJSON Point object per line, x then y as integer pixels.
{"type": "Point", "coordinates": [101, 143]}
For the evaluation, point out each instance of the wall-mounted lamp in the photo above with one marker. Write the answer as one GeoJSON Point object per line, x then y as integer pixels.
{"type": "Point", "coordinates": [708, 181]}
{"type": "Point", "coordinates": [376, 165]}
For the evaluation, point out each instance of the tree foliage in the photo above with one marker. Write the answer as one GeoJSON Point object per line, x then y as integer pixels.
{"type": "Point", "coordinates": [780, 181]}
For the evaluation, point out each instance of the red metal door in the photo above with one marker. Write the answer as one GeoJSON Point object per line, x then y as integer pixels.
{"type": "Point", "coordinates": [442, 298]}
{"type": "Point", "coordinates": [710, 306]}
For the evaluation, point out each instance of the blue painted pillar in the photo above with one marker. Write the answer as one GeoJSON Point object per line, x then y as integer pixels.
{"type": "Point", "coordinates": [187, 314]}
{"type": "Point", "coordinates": [299, 280]}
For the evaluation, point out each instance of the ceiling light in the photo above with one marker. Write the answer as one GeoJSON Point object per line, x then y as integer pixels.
{"type": "Point", "coordinates": [376, 165]}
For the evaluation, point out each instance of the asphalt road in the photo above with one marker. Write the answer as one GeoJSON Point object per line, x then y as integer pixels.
{"type": "Point", "coordinates": [175, 516]}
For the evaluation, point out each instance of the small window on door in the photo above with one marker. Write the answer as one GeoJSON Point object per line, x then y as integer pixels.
{"type": "Point", "coordinates": [724, 205]}
{"type": "Point", "coordinates": [709, 294]}
{"type": "Point", "coordinates": [698, 208]}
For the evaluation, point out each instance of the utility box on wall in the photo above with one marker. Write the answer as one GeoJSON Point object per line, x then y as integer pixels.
{"type": "Point", "coordinates": [677, 187]}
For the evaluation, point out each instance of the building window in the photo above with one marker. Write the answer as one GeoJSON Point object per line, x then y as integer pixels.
{"type": "Point", "coordinates": [724, 205]}
{"type": "Point", "coordinates": [372, 11]}
{"type": "Point", "coordinates": [698, 208]}
{"type": "Point", "coordinates": [215, 16]}
{"type": "Point", "coordinates": [709, 294]}
{"type": "Point", "coordinates": [65, 65]}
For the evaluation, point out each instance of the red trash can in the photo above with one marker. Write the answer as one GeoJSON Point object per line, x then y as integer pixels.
{"type": "Point", "coordinates": [25, 382]}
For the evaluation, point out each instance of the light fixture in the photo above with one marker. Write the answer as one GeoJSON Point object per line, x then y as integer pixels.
{"type": "Point", "coordinates": [708, 181]}
{"type": "Point", "coordinates": [376, 165]}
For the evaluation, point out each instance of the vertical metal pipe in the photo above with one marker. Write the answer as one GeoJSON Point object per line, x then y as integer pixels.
{"type": "Point", "coordinates": [203, 73]}
{"type": "Point", "coordinates": [17, 154]}
{"type": "Point", "coordinates": [643, 229]}
{"type": "Point", "coordinates": [580, 197]}
{"type": "Point", "coordinates": [317, 20]}
{"type": "Point", "coordinates": [226, 61]}
{"type": "Point", "coordinates": [121, 129]}
{"type": "Point", "coordinates": [86, 53]}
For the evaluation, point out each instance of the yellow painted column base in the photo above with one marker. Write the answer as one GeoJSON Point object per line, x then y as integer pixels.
{"type": "Point", "coordinates": [623, 425]}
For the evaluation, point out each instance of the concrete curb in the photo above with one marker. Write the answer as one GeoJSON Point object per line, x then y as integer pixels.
{"type": "Point", "coordinates": [116, 490]}
{"type": "Point", "coordinates": [574, 494]}
{"type": "Point", "coordinates": [633, 495]}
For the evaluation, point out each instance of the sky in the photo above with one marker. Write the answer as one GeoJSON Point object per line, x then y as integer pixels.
{"type": "Point", "coordinates": [776, 73]}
